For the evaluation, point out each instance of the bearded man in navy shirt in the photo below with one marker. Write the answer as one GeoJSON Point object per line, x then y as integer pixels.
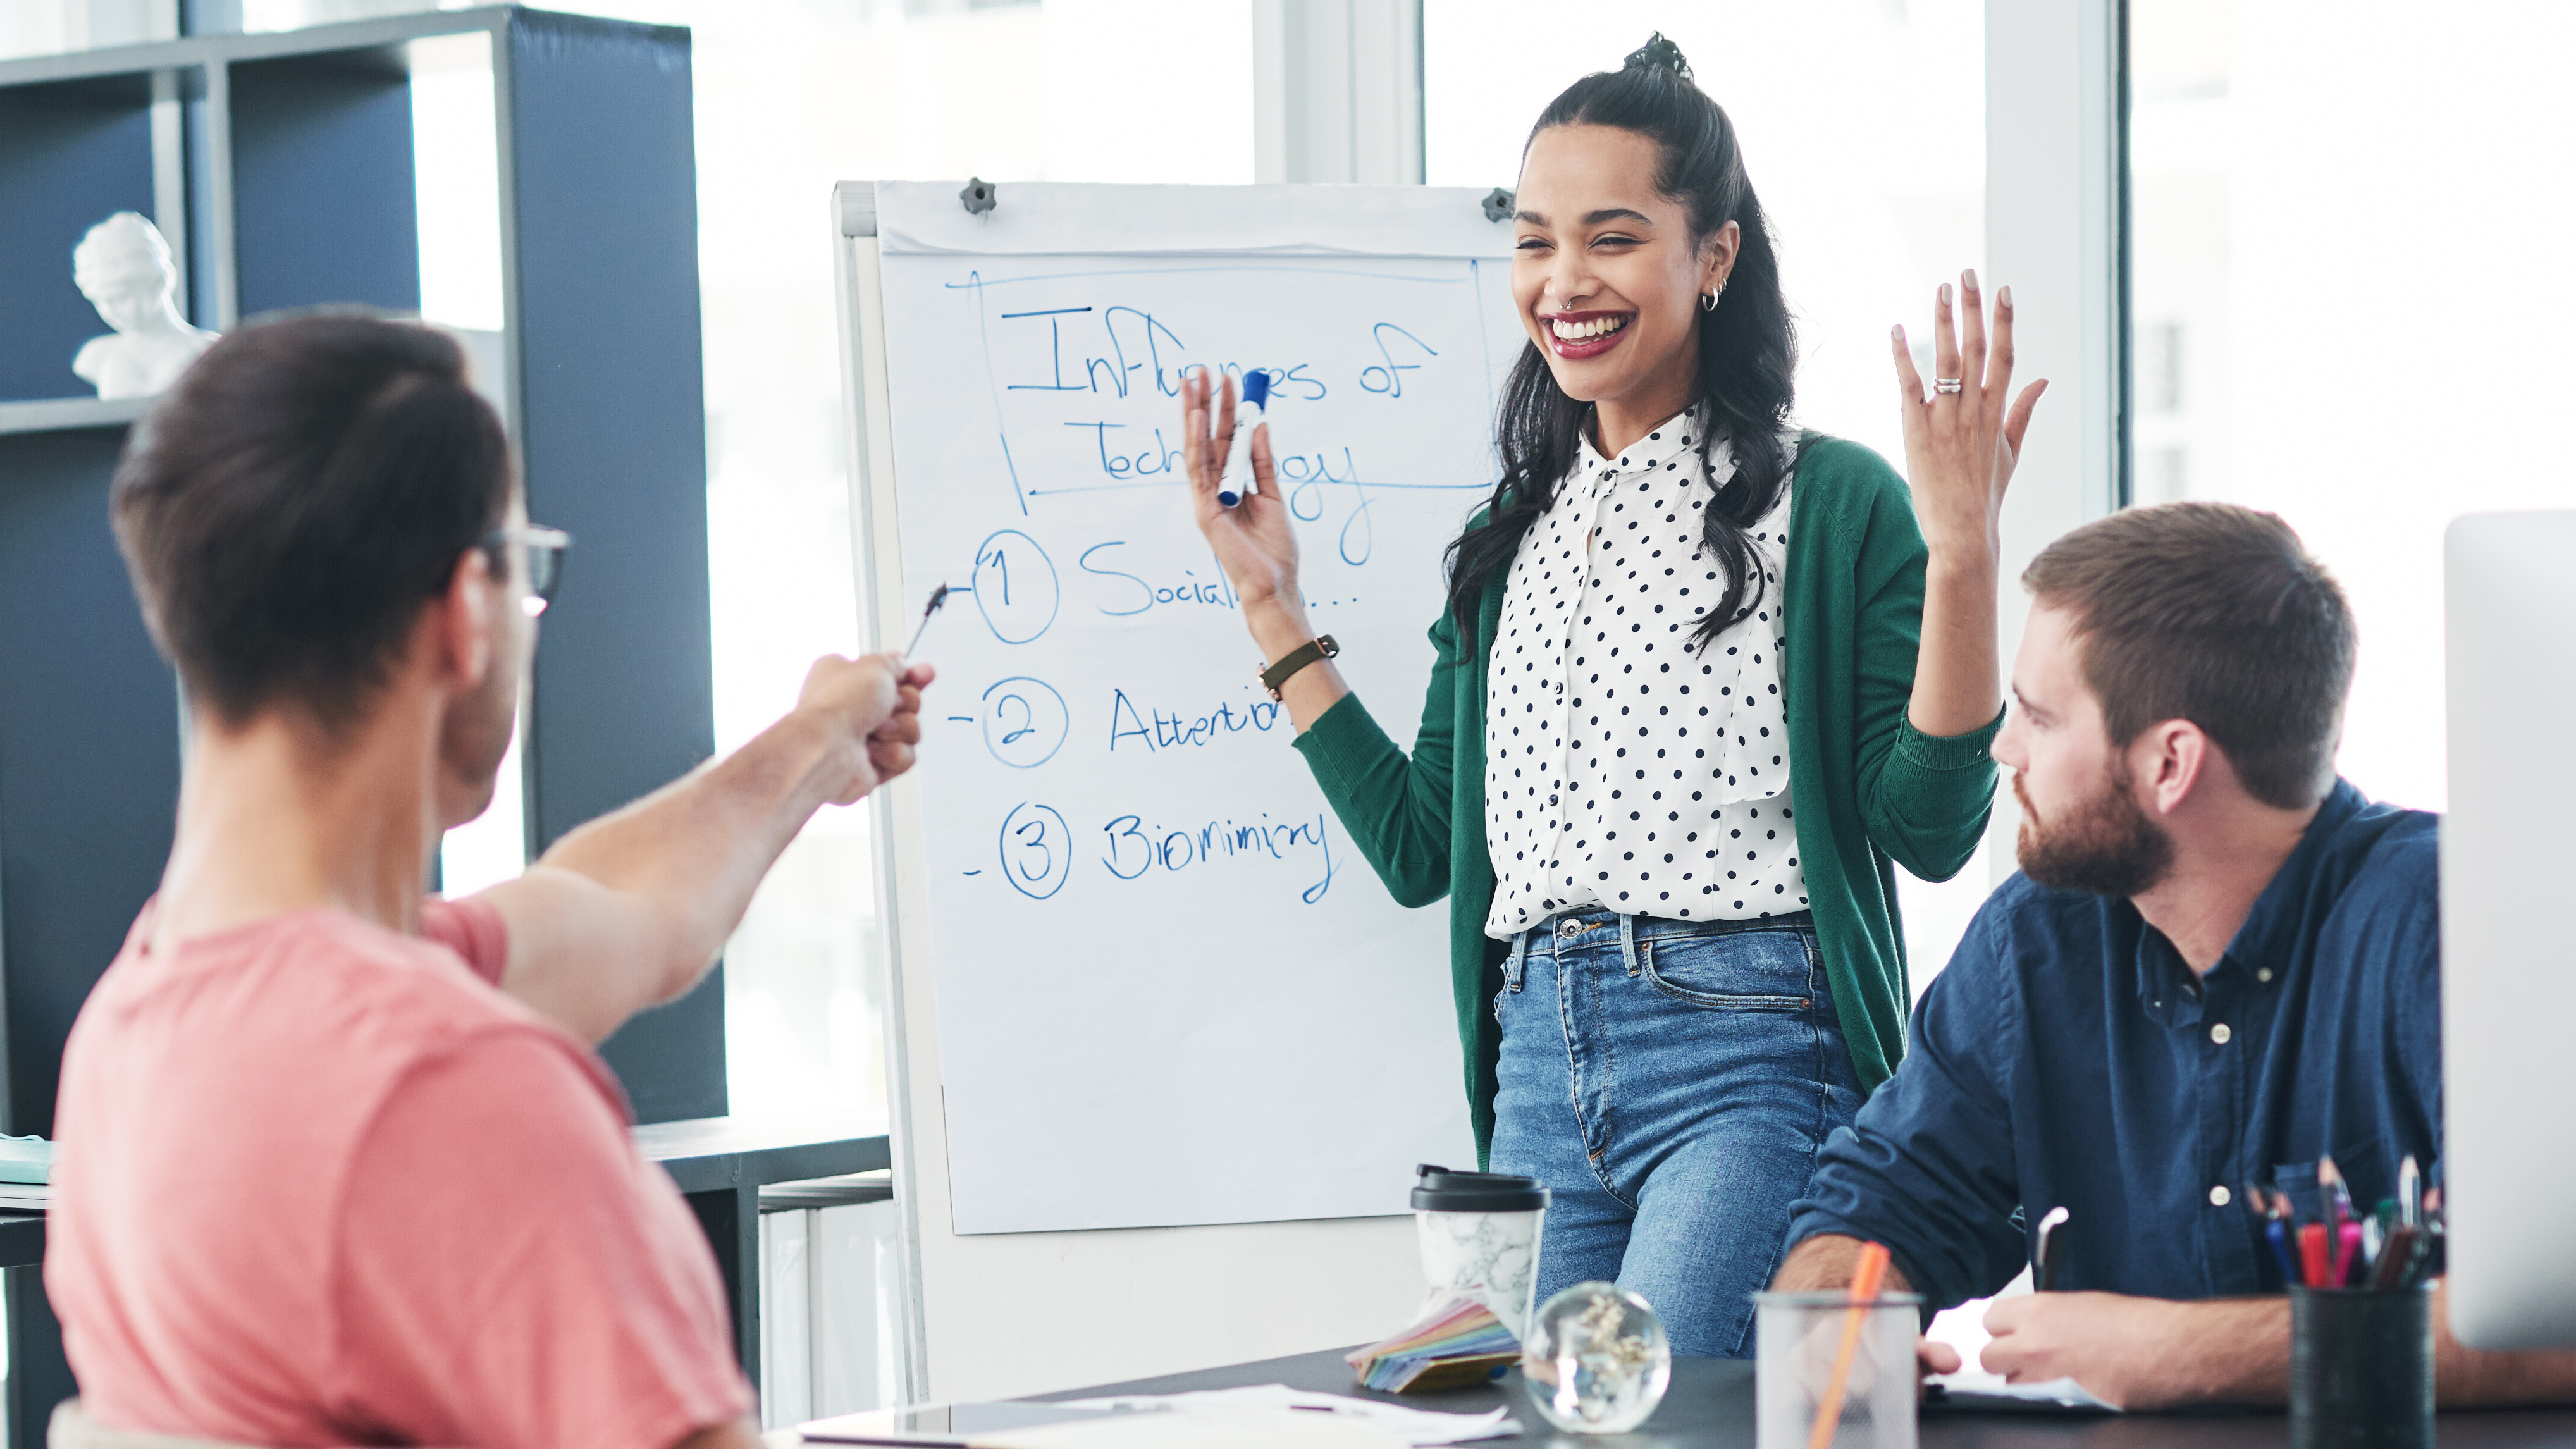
{"type": "Point", "coordinates": [2219, 964]}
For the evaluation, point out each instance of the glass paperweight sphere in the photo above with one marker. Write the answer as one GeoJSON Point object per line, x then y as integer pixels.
{"type": "Point", "coordinates": [1596, 1360]}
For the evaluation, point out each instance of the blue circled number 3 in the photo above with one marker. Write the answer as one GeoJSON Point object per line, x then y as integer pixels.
{"type": "Point", "coordinates": [1037, 851]}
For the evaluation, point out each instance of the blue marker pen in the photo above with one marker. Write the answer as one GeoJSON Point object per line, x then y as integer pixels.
{"type": "Point", "coordinates": [1239, 484]}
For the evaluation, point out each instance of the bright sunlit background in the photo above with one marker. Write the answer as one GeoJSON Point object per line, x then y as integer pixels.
{"type": "Point", "coordinates": [2353, 299]}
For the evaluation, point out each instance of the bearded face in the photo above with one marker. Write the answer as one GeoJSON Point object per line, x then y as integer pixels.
{"type": "Point", "coordinates": [2102, 844]}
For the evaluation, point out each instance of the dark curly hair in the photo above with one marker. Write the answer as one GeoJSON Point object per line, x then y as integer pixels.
{"type": "Point", "coordinates": [1747, 351]}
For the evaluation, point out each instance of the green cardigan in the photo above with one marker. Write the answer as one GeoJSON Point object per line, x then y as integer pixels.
{"type": "Point", "coordinates": [1871, 791]}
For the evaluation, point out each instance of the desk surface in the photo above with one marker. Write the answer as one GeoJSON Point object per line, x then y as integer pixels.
{"type": "Point", "coordinates": [1710, 1406]}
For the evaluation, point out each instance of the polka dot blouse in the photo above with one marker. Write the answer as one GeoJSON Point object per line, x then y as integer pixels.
{"type": "Point", "coordinates": [1624, 769]}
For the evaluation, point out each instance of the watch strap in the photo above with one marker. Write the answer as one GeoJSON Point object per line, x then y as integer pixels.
{"type": "Point", "coordinates": [1320, 647]}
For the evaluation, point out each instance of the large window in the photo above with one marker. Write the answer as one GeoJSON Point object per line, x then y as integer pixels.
{"type": "Point", "coordinates": [1863, 127]}
{"type": "Point", "coordinates": [2350, 300]}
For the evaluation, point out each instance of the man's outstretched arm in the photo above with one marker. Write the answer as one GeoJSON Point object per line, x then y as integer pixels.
{"type": "Point", "coordinates": [2151, 1353]}
{"type": "Point", "coordinates": [629, 910]}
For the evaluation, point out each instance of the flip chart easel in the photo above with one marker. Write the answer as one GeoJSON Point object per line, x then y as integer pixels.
{"type": "Point", "coordinates": [1139, 975]}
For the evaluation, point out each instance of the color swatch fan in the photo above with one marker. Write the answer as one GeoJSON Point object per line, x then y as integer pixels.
{"type": "Point", "coordinates": [1455, 1342]}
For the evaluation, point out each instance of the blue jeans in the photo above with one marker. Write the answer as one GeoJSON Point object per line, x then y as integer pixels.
{"type": "Point", "coordinates": [1671, 1082]}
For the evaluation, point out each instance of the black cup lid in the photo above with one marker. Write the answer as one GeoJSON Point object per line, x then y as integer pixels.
{"type": "Point", "coordinates": [1438, 1190]}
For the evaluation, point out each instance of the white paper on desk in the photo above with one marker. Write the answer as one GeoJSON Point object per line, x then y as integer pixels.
{"type": "Point", "coordinates": [1417, 1427]}
{"type": "Point", "coordinates": [1236, 1428]}
{"type": "Point", "coordinates": [2066, 1393]}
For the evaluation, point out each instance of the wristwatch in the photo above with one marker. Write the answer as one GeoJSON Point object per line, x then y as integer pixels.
{"type": "Point", "coordinates": [1298, 658]}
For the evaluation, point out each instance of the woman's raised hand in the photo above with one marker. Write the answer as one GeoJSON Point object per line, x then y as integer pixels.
{"type": "Point", "coordinates": [1254, 540]}
{"type": "Point", "coordinates": [1960, 439]}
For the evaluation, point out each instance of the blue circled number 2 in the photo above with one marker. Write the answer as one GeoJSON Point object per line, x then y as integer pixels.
{"type": "Point", "coordinates": [1037, 851]}
{"type": "Point", "coordinates": [1015, 586]}
{"type": "Point", "coordinates": [1025, 722]}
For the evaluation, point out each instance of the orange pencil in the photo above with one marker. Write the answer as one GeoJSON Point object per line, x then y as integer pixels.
{"type": "Point", "coordinates": [1864, 1291]}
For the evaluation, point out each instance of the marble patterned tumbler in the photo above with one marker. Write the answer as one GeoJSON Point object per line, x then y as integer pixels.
{"type": "Point", "coordinates": [1479, 1232]}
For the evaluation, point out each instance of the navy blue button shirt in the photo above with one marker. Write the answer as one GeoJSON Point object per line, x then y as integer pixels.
{"type": "Point", "coordinates": [2066, 1057]}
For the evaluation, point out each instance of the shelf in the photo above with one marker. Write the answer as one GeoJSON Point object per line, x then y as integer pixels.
{"type": "Point", "coordinates": [71, 153]}
{"type": "Point", "coordinates": [55, 415]}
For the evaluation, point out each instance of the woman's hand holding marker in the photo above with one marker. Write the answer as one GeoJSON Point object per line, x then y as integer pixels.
{"type": "Point", "coordinates": [1254, 539]}
{"type": "Point", "coordinates": [1235, 486]}
{"type": "Point", "coordinates": [1252, 536]}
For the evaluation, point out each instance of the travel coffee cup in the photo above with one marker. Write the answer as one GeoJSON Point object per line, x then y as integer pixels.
{"type": "Point", "coordinates": [1479, 1235]}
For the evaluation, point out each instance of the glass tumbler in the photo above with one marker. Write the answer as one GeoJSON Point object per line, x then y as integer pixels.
{"type": "Point", "coordinates": [1803, 1338]}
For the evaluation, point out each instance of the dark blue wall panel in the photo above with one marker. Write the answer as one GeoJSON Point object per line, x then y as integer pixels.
{"type": "Point", "coordinates": [71, 155]}
{"type": "Point", "coordinates": [324, 207]}
{"type": "Point", "coordinates": [614, 435]}
{"type": "Point", "coordinates": [89, 749]}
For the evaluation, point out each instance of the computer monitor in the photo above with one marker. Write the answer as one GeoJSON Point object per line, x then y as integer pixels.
{"type": "Point", "coordinates": [2509, 930]}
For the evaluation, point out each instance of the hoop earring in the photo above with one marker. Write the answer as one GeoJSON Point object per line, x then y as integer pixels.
{"type": "Point", "coordinates": [1708, 300]}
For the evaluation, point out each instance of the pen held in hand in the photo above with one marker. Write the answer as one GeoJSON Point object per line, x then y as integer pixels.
{"type": "Point", "coordinates": [1237, 483]}
{"type": "Point", "coordinates": [938, 596]}
{"type": "Point", "coordinates": [2052, 1250]}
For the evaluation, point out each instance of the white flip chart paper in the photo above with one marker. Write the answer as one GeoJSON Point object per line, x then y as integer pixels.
{"type": "Point", "coordinates": [1168, 988]}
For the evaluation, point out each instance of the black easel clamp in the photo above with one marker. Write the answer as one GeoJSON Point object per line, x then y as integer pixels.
{"type": "Point", "coordinates": [979, 196]}
{"type": "Point", "coordinates": [1498, 205]}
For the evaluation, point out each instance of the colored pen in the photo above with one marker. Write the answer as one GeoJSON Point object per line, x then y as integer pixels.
{"type": "Point", "coordinates": [938, 596]}
{"type": "Point", "coordinates": [1237, 484]}
{"type": "Point", "coordinates": [2410, 1192]}
{"type": "Point", "coordinates": [2396, 1258]}
{"type": "Point", "coordinates": [2334, 1205]}
{"type": "Point", "coordinates": [1867, 1274]}
{"type": "Point", "coordinates": [2277, 1233]}
{"type": "Point", "coordinates": [2313, 1268]}
{"type": "Point", "coordinates": [2052, 1249]}
{"type": "Point", "coordinates": [2271, 1211]}
{"type": "Point", "coordinates": [2347, 1243]}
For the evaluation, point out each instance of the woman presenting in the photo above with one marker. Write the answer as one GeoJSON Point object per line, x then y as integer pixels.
{"type": "Point", "coordinates": [1701, 679]}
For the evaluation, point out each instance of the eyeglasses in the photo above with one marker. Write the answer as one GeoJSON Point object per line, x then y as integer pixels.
{"type": "Point", "coordinates": [544, 548]}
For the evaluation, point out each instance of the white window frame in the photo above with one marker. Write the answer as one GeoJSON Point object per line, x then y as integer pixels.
{"type": "Point", "coordinates": [2056, 232]}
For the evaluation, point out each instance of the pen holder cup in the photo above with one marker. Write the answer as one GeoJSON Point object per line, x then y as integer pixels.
{"type": "Point", "coordinates": [2361, 1368]}
{"type": "Point", "coordinates": [1802, 1338]}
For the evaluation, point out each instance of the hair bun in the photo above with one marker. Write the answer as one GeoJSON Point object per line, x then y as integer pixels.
{"type": "Point", "coordinates": [1658, 54]}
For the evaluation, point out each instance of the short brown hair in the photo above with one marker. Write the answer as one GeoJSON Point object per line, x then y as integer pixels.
{"type": "Point", "coordinates": [291, 505]}
{"type": "Point", "coordinates": [2215, 614]}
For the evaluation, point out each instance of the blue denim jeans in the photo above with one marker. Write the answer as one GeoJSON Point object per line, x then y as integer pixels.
{"type": "Point", "coordinates": [1671, 1082]}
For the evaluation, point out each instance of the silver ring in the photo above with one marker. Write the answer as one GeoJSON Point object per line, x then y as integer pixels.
{"type": "Point", "coordinates": [1946, 384]}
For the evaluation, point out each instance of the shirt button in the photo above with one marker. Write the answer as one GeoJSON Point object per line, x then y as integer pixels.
{"type": "Point", "coordinates": [2265, 974]}
{"type": "Point", "coordinates": [2220, 1034]}
{"type": "Point", "coordinates": [2219, 1196]}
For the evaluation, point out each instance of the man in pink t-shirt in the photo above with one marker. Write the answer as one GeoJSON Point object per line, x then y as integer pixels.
{"type": "Point", "coordinates": [338, 1163]}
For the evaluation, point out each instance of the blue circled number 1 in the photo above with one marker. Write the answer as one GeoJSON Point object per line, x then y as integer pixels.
{"type": "Point", "coordinates": [1037, 851]}
{"type": "Point", "coordinates": [1015, 586]}
{"type": "Point", "coordinates": [1025, 722]}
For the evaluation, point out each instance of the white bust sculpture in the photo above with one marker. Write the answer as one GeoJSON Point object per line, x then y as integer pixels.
{"type": "Point", "coordinates": [123, 267]}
